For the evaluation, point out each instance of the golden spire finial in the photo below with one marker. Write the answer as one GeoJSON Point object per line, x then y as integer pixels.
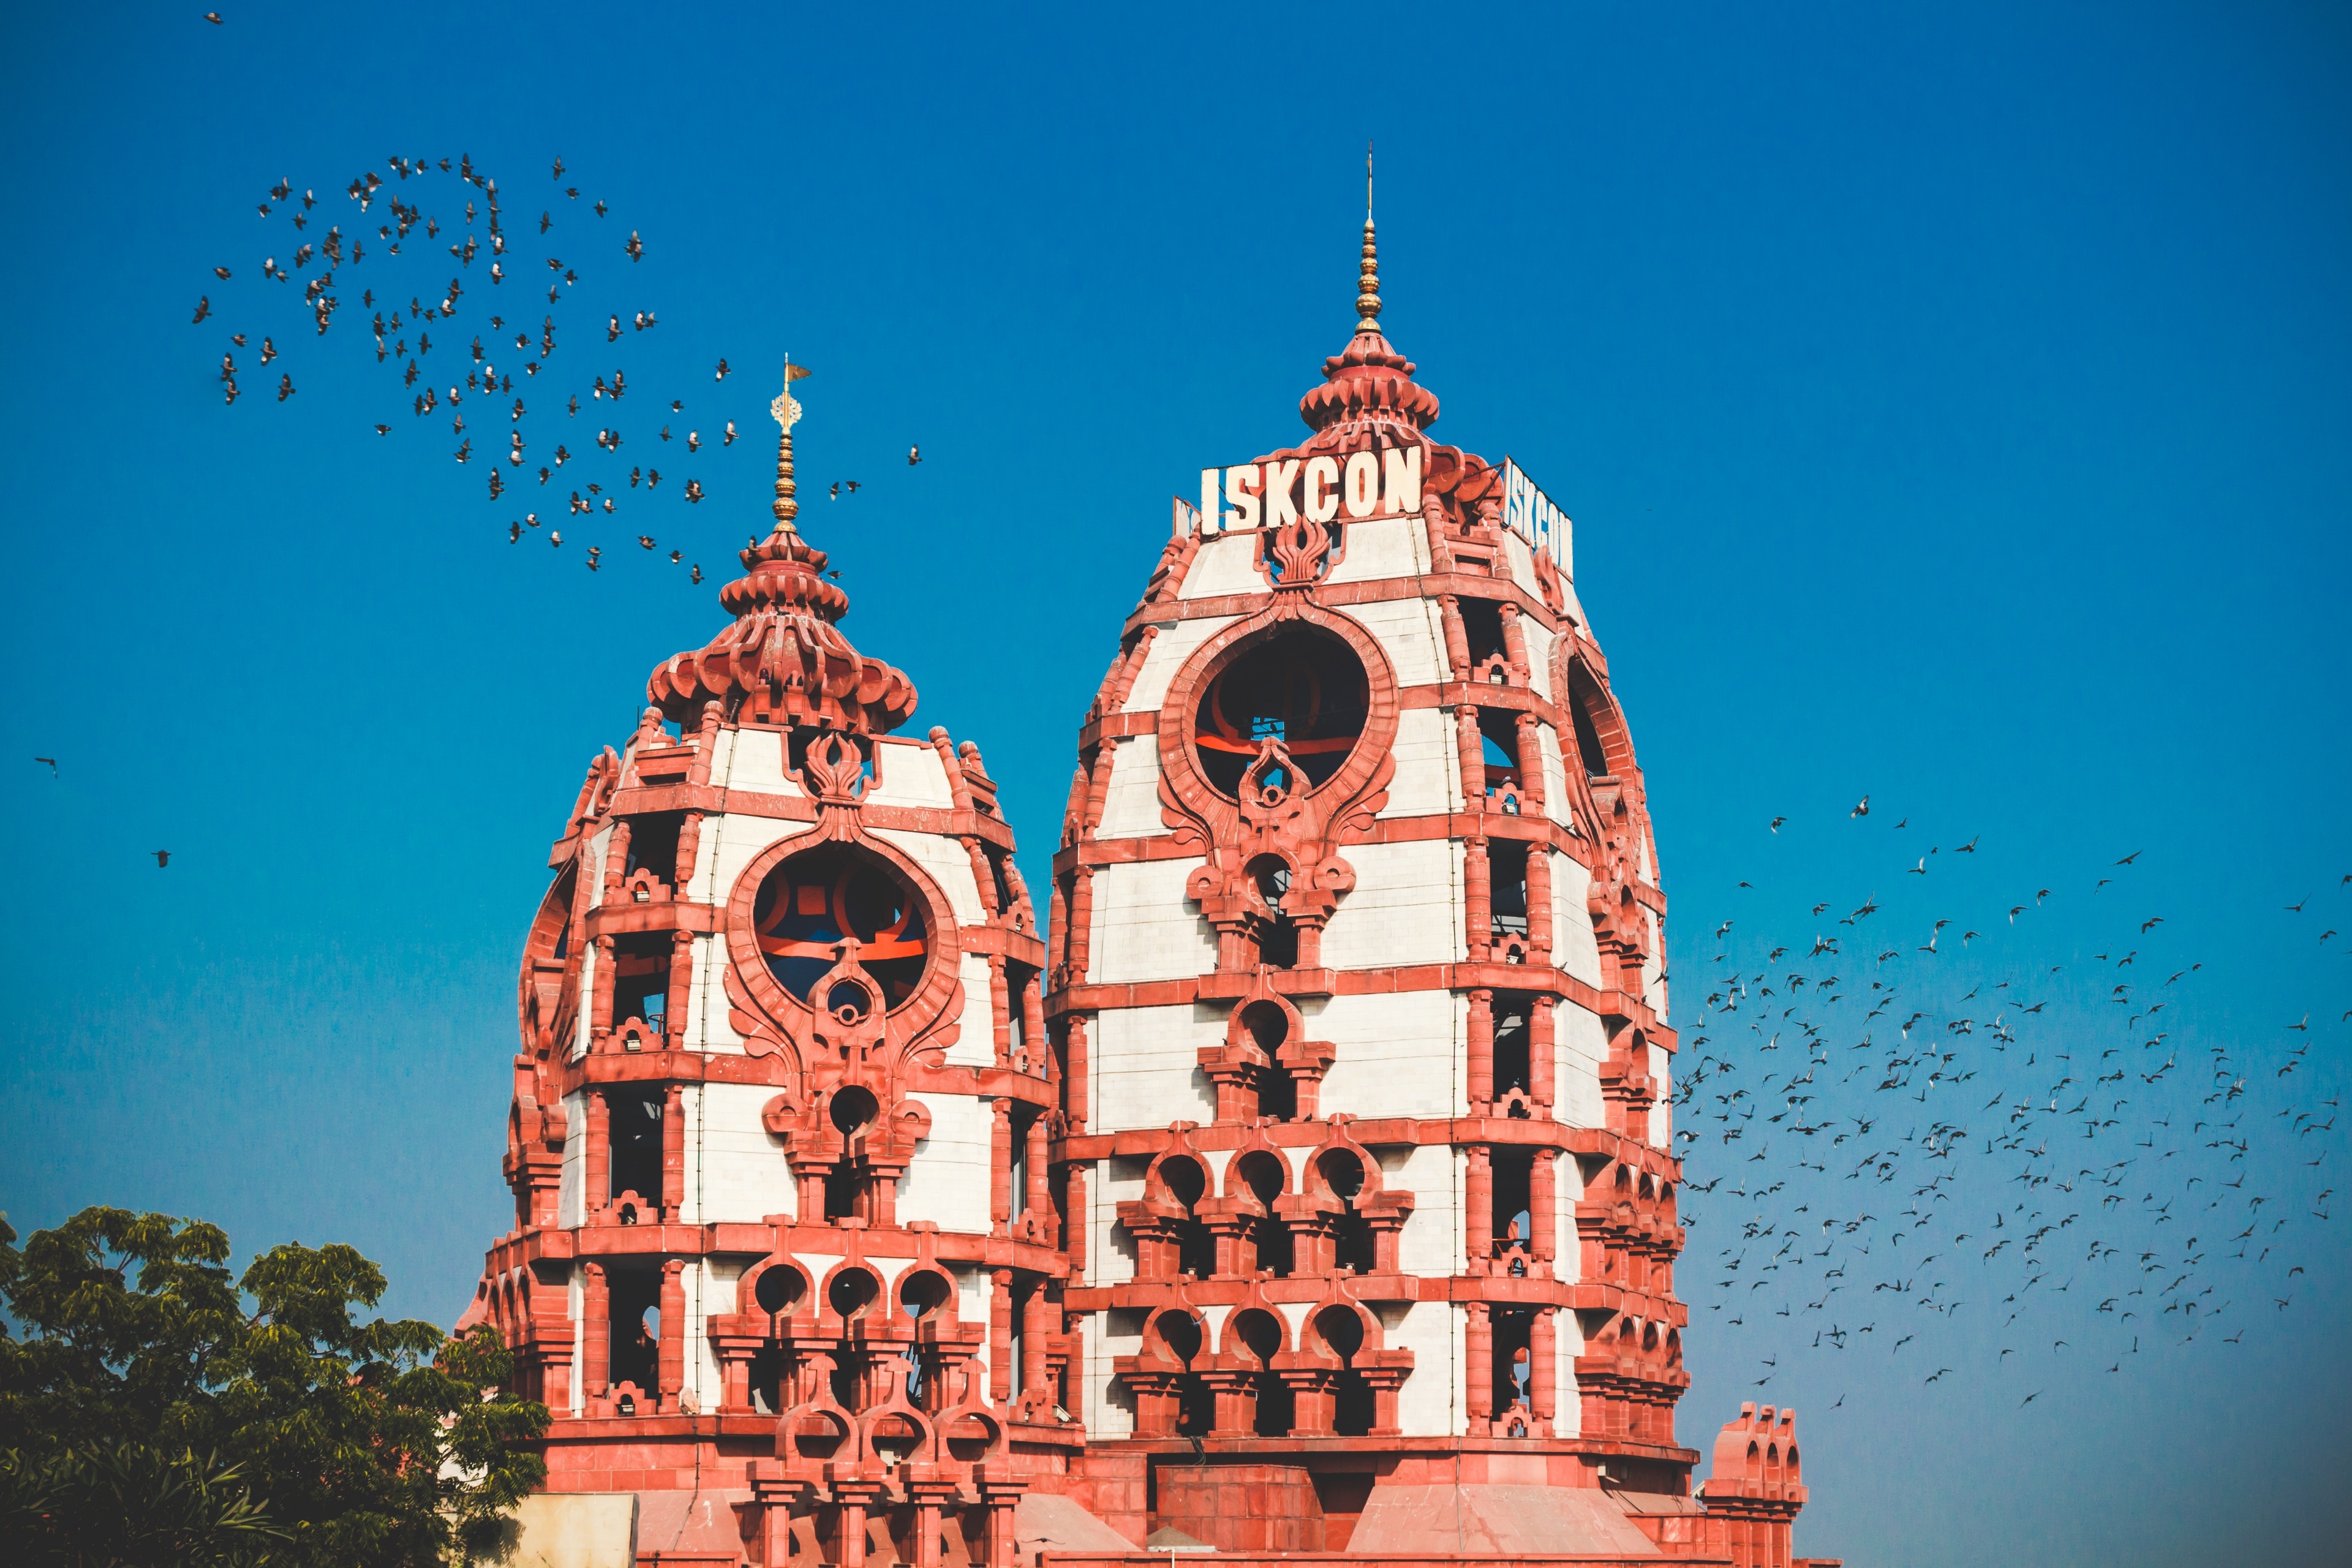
{"type": "Point", "coordinates": [786, 410]}
{"type": "Point", "coordinates": [1367, 281]}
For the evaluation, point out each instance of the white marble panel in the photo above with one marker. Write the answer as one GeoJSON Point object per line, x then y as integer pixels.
{"type": "Point", "coordinates": [1176, 643]}
{"type": "Point", "coordinates": [1146, 1067]}
{"type": "Point", "coordinates": [949, 1182]}
{"type": "Point", "coordinates": [1406, 907]}
{"type": "Point", "coordinates": [1225, 564]}
{"type": "Point", "coordinates": [1428, 778]}
{"type": "Point", "coordinates": [1132, 804]}
{"type": "Point", "coordinates": [1383, 547]}
{"type": "Point", "coordinates": [1581, 1042]}
{"type": "Point", "coordinates": [1432, 1402]}
{"type": "Point", "coordinates": [910, 775]}
{"type": "Point", "coordinates": [1396, 1054]}
{"type": "Point", "coordinates": [1411, 631]}
{"type": "Point", "coordinates": [738, 1168]}
{"type": "Point", "coordinates": [1146, 927]}
{"type": "Point", "coordinates": [1573, 946]}
{"type": "Point", "coordinates": [947, 862]}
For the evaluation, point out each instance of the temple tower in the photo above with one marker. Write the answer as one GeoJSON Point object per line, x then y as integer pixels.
{"type": "Point", "coordinates": [1356, 992]}
{"type": "Point", "coordinates": [783, 1240]}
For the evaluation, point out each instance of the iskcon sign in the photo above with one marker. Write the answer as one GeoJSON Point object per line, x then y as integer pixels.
{"type": "Point", "coordinates": [1360, 484]}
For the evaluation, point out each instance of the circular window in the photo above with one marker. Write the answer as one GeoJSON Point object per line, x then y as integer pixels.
{"type": "Point", "coordinates": [1302, 687]}
{"type": "Point", "coordinates": [813, 902]}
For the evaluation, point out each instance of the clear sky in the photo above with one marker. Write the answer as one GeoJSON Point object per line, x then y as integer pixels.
{"type": "Point", "coordinates": [1953, 408]}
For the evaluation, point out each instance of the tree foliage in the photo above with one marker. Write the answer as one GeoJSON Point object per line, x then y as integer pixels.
{"type": "Point", "coordinates": [130, 1351]}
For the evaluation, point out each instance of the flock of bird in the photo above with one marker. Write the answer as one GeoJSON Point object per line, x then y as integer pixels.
{"type": "Point", "coordinates": [387, 211]}
{"type": "Point", "coordinates": [1894, 1131]}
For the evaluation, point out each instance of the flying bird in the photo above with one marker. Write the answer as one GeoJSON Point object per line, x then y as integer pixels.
{"type": "Point", "coordinates": [1775, 823]}
{"type": "Point", "coordinates": [163, 857]}
{"type": "Point", "coordinates": [1862, 810]}
{"type": "Point", "coordinates": [53, 764]}
{"type": "Point", "coordinates": [915, 455]}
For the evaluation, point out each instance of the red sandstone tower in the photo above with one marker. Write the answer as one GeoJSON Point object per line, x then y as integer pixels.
{"type": "Point", "coordinates": [1318, 1196]}
{"type": "Point", "coordinates": [783, 1241]}
{"type": "Point", "coordinates": [1355, 985]}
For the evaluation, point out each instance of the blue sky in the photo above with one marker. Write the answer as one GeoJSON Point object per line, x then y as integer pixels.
{"type": "Point", "coordinates": [1953, 408]}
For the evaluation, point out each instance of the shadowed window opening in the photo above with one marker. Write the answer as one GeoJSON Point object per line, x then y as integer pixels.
{"type": "Point", "coordinates": [634, 1129]}
{"type": "Point", "coordinates": [1302, 687]}
{"type": "Point", "coordinates": [808, 905]}
{"type": "Point", "coordinates": [635, 1305]}
{"type": "Point", "coordinates": [1588, 743]}
{"type": "Point", "coordinates": [652, 844]}
{"type": "Point", "coordinates": [1196, 1248]}
{"type": "Point", "coordinates": [1353, 1407]}
{"type": "Point", "coordinates": [1263, 1174]}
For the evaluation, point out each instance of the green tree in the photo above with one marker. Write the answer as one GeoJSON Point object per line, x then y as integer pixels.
{"type": "Point", "coordinates": [362, 1442]}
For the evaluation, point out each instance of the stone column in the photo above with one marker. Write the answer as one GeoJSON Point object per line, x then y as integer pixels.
{"type": "Point", "coordinates": [1543, 1023]}
{"type": "Point", "coordinates": [1539, 903]}
{"type": "Point", "coordinates": [1478, 899]}
{"type": "Point", "coordinates": [681, 987]}
{"type": "Point", "coordinates": [672, 1371]}
{"type": "Point", "coordinates": [1480, 1349]}
{"type": "Point", "coordinates": [1000, 1337]}
{"type": "Point", "coordinates": [1481, 1074]}
{"type": "Point", "coordinates": [1479, 1220]}
{"type": "Point", "coordinates": [596, 1334]}
{"type": "Point", "coordinates": [1000, 1168]}
{"type": "Point", "coordinates": [1035, 1389]}
{"type": "Point", "coordinates": [1082, 914]}
{"type": "Point", "coordinates": [1040, 1199]}
{"type": "Point", "coordinates": [1543, 1364]}
{"type": "Point", "coordinates": [998, 1009]}
{"type": "Point", "coordinates": [598, 1170]}
{"type": "Point", "coordinates": [1457, 639]}
{"type": "Point", "coordinates": [673, 1192]}
{"type": "Point", "coordinates": [1530, 757]}
{"type": "Point", "coordinates": [1543, 1211]}
{"type": "Point", "coordinates": [1473, 750]}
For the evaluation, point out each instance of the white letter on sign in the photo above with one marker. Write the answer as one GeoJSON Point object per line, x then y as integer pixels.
{"type": "Point", "coordinates": [1279, 477]}
{"type": "Point", "coordinates": [1241, 489]}
{"type": "Point", "coordinates": [1403, 478]}
{"type": "Point", "coordinates": [1209, 518]}
{"type": "Point", "coordinates": [1363, 483]}
{"type": "Point", "coordinates": [1321, 502]}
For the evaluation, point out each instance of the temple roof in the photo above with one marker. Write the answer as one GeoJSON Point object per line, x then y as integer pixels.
{"type": "Point", "coordinates": [783, 660]}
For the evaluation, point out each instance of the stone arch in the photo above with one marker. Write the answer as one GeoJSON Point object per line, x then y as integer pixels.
{"type": "Point", "coordinates": [925, 1015]}
{"type": "Point", "coordinates": [850, 1292]}
{"type": "Point", "coordinates": [1179, 763]}
{"type": "Point", "coordinates": [1600, 733]}
{"type": "Point", "coordinates": [776, 1288]}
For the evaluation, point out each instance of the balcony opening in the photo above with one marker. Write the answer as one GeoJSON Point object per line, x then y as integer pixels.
{"type": "Point", "coordinates": [1301, 686]}
{"type": "Point", "coordinates": [633, 1126]}
{"type": "Point", "coordinates": [1353, 1405]}
{"type": "Point", "coordinates": [641, 979]}
{"type": "Point", "coordinates": [1589, 750]}
{"type": "Point", "coordinates": [1513, 1193]}
{"type": "Point", "coordinates": [636, 1306]}
{"type": "Point", "coordinates": [1262, 1336]}
{"type": "Point", "coordinates": [1196, 1249]}
{"type": "Point", "coordinates": [1513, 1045]}
{"type": "Point", "coordinates": [1506, 864]}
{"type": "Point", "coordinates": [1351, 1239]}
{"type": "Point", "coordinates": [1179, 1336]}
{"type": "Point", "coordinates": [1482, 627]}
{"type": "Point", "coordinates": [767, 1381]}
{"type": "Point", "coordinates": [653, 845]}
{"type": "Point", "coordinates": [1263, 1174]}
{"type": "Point", "coordinates": [1514, 1336]}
